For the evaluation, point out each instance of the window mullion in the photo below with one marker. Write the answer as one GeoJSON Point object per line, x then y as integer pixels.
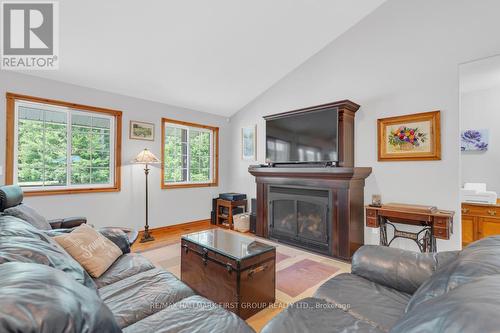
{"type": "Point", "coordinates": [69, 148]}
{"type": "Point", "coordinates": [188, 154]}
{"type": "Point", "coordinates": [212, 154]}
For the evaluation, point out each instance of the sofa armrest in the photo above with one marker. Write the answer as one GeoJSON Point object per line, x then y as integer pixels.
{"type": "Point", "coordinates": [117, 236]}
{"type": "Point", "coordinates": [57, 232]}
{"type": "Point", "coordinates": [66, 223]}
{"type": "Point", "coordinates": [395, 268]}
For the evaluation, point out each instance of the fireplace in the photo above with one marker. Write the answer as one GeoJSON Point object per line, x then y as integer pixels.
{"type": "Point", "coordinates": [300, 216]}
{"type": "Point", "coordinates": [317, 208]}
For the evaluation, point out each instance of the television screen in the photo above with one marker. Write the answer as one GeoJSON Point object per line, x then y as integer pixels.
{"type": "Point", "coordinates": [307, 137]}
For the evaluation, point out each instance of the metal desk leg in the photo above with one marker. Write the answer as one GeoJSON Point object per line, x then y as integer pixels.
{"type": "Point", "coordinates": [383, 231]}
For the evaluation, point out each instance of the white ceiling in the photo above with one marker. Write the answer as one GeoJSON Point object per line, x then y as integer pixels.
{"type": "Point", "coordinates": [213, 56]}
{"type": "Point", "coordinates": [480, 75]}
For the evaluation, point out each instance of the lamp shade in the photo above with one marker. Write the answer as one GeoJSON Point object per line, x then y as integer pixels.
{"type": "Point", "coordinates": [146, 157]}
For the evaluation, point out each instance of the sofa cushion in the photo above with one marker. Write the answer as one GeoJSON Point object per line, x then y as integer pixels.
{"type": "Point", "coordinates": [317, 315]}
{"type": "Point", "coordinates": [118, 236]}
{"type": "Point", "coordinates": [394, 268]}
{"type": "Point", "coordinates": [127, 265]}
{"type": "Point", "coordinates": [481, 258]}
{"type": "Point", "coordinates": [470, 307]}
{"type": "Point", "coordinates": [143, 294]}
{"type": "Point", "coordinates": [362, 298]}
{"type": "Point", "coordinates": [13, 226]}
{"type": "Point", "coordinates": [38, 298]}
{"type": "Point", "coordinates": [90, 248]}
{"type": "Point", "coordinates": [28, 250]}
{"type": "Point", "coordinates": [192, 314]}
{"type": "Point", "coordinates": [28, 214]}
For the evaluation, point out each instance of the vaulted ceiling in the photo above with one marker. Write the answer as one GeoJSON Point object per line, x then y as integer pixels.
{"type": "Point", "coordinates": [213, 56]}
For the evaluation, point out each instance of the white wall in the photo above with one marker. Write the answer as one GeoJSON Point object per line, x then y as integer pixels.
{"type": "Point", "coordinates": [401, 59]}
{"type": "Point", "coordinates": [124, 208]}
{"type": "Point", "coordinates": [480, 109]}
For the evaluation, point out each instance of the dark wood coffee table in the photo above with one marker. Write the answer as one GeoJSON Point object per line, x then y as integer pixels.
{"type": "Point", "coordinates": [232, 270]}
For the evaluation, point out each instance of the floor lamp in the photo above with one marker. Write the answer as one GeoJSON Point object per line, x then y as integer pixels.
{"type": "Point", "coordinates": [146, 157]}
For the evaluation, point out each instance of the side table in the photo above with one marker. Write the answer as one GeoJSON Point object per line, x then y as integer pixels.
{"type": "Point", "coordinates": [228, 218]}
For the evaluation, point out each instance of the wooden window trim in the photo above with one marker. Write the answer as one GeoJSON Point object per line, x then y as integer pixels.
{"type": "Point", "coordinates": [215, 131]}
{"type": "Point", "coordinates": [10, 130]}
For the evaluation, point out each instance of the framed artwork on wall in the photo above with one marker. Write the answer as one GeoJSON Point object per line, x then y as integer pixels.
{"type": "Point", "coordinates": [474, 140]}
{"type": "Point", "coordinates": [142, 131]}
{"type": "Point", "coordinates": [415, 137]}
{"type": "Point", "coordinates": [249, 143]}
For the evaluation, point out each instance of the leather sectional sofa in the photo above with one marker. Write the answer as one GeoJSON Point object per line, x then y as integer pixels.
{"type": "Point", "coordinates": [43, 289]}
{"type": "Point", "coordinates": [392, 290]}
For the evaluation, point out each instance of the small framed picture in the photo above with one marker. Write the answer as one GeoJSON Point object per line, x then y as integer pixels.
{"type": "Point", "coordinates": [142, 131]}
{"type": "Point", "coordinates": [249, 143]}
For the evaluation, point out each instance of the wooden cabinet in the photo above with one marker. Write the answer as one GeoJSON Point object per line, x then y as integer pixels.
{"type": "Point", "coordinates": [468, 232]}
{"type": "Point", "coordinates": [479, 221]}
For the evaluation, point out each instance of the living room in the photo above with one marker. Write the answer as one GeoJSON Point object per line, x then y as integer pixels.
{"type": "Point", "coordinates": [143, 140]}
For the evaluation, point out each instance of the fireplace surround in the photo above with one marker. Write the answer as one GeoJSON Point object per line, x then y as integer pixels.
{"type": "Point", "coordinates": [344, 215]}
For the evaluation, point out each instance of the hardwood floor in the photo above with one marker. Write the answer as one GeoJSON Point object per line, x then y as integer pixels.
{"type": "Point", "coordinates": [171, 234]}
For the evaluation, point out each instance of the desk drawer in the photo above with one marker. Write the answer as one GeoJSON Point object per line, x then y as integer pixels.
{"type": "Point", "coordinates": [441, 222]}
{"type": "Point", "coordinates": [372, 222]}
{"type": "Point", "coordinates": [441, 233]}
{"type": "Point", "coordinates": [471, 210]}
{"type": "Point", "coordinates": [371, 213]}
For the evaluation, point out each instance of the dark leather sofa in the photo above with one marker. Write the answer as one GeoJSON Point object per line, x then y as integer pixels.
{"type": "Point", "coordinates": [392, 290]}
{"type": "Point", "coordinates": [43, 289]}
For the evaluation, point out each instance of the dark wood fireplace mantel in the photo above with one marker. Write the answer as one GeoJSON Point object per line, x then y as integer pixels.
{"type": "Point", "coordinates": [346, 186]}
{"type": "Point", "coordinates": [310, 172]}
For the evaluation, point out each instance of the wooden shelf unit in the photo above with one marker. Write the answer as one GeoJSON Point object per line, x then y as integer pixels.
{"type": "Point", "coordinates": [228, 218]}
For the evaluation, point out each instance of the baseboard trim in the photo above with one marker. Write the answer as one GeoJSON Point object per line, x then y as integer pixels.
{"type": "Point", "coordinates": [178, 227]}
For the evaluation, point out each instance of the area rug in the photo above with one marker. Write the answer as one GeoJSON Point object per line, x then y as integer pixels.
{"type": "Point", "coordinates": [298, 274]}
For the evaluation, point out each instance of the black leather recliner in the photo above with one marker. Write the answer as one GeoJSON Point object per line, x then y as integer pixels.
{"type": "Point", "coordinates": [11, 203]}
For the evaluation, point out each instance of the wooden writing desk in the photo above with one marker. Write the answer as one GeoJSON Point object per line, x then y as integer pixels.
{"type": "Point", "coordinates": [435, 223]}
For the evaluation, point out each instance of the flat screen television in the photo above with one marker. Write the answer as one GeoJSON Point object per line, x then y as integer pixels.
{"type": "Point", "coordinates": [309, 137]}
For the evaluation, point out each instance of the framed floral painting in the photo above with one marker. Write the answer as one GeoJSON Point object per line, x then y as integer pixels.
{"type": "Point", "coordinates": [474, 140]}
{"type": "Point", "coordinates": [415, 137]}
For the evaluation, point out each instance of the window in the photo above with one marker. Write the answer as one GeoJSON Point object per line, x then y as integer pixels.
{"type": "Point", "coordinates": [189, 154]}
{"type": "Point", "coordinates": [56, 147]}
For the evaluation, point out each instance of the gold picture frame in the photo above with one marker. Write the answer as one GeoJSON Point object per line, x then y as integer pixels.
{"type": "Point", "coordinates": [140, 130]}
{"type": "Point", "coordinates": [415, 137]}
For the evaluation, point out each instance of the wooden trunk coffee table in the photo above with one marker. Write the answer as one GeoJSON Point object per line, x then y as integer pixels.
{"type": "Point", "coordinates": [232, 270]}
